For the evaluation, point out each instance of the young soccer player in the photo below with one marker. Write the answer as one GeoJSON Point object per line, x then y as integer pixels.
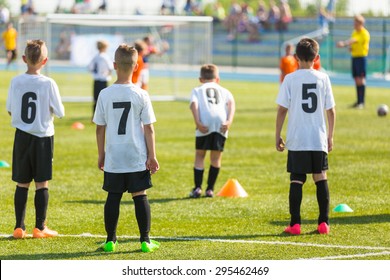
{"type": "Point", "coordinates": [140, 46]}
{"type": "Point", "coordinates": [124, 120]}
{"type": "Point", "coordinates": [32, 101]}
{"type": "Point", "coordinates": [213, 109]}
{"type": "Point", "coordinates": [101, 68]}
{"type": "Point", "coordinates": [288, 63]}
{"type": "Point", "coordinates": [305, 94]}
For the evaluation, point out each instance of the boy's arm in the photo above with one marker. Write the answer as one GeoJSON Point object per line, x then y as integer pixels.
{"type": "Point", "coordinates": [151, 162]}
{"type": "Point", "coordinates": [195, 112]}
{"type": "Point", "coordinates": [280, 117]}
{"type": "Point", "coordinates": [331, 114]}
{"type": "Point", "coordinates": [231, 111]}
{"type": "Point", "coordinates": [100, 139]}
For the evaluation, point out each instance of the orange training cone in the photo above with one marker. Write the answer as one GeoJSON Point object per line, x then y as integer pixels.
{"type": "Point", "coordinates": [232, 188]}
{"type": "Point", "coordinates": [78, 126]}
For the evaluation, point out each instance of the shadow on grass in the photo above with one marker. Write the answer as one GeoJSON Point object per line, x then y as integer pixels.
{"type": "Point", "coordinates": [350, 219]}
{"type": "Point", "coordinates": [127, 200]}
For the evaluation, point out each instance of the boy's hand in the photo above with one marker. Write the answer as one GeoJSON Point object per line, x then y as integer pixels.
{"type": "Point", "coordinates": [152, 165]}
{"type": "Point", "coordinates": [224, 127]}
{"type": "Point", "coordinates": [280, 144]}
{"type": "Point", "coordinates": [202, 128]}
{"type": "Point", "coordinates": [101, 162]}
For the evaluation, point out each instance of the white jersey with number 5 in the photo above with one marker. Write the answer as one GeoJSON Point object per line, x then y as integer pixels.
{"type": "Point", "coordinates": [212, 100]}
{"type": "Point", "coordinates": [33, 100]}
{"type": "Point", "coordinates": [124, 109]}
{"type": "Point", "coordinates": [306, 93]}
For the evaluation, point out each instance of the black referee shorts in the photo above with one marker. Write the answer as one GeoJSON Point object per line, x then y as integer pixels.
{"type": "Point", "coordinates": [307, 162]}
{"type": "Point", "coordinates": [32, 157]}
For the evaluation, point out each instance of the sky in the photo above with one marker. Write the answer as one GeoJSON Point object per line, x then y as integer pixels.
{"type": "Point", "coordinates": [152, 6]}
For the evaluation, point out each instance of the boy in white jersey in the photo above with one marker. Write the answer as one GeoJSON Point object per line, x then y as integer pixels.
{"type": "Point", "coordinates": [101, 68]}
{"type": "Point", "coordinates": [124, 120]}
{"type": "Point", "coordinates": [305, 94]}
{"type": "Point", "coordinates": [213, 109]}
{"type": "Point", "coordinates": [33, 100]}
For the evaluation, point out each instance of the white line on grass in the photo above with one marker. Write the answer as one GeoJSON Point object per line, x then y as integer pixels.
{"type": "Point", "coordinates": [351, 256]}
{"type": "Point", "coordinates": [302, 244]}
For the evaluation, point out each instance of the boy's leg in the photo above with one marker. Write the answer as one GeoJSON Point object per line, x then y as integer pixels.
{"type": "Point", "coordinates": [142, 214]}
{"type": "Point", "coordinates": [199, 167]}
{"type": "Point", "coordinates": [295, 197]}
{"type": "Point", "coordinates": [41, 201]}
{"type": "Point", "coordinates": [20, 203]}
{"type": "Point", "coordinates": [111, 214]}
{"type": "Point", "coordinates": [322, 197]}
{"type": "Point", "coordinates": [215, 165]}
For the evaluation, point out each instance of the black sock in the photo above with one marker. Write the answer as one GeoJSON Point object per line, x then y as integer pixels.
{"type": "Point", "coordinates": [360, 94]}
{"type": "Point", "coordinates": [20, 203]}
{"type": "Point", "coordinates": [41, 201]}
{"type": "Point", "coordinates": [213, 174]}
{"type": "Point", "coordinates": [323, 201]}
{"type": "Point", "coordinates": [111, 214]}
{"type": "Point", "coordinates": [295, 199]}
{"type": "Point", "coordinates": [198, 177]}
{"type": "Point", "coordinates": [142, 213]}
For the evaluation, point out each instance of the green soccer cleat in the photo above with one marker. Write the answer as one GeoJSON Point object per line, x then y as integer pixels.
{"type": "Point", "coordinates": [109, 246]}
{"type": "Point", "coordinates": [149, 247]}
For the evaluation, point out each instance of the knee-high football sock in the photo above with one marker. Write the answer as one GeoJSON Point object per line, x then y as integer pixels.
{"type": "Point", "coordinates": [20, 203]}
{"type": "Point", "coordinates": [198, 177]}
{"type": "Point", "coordinates": [142, 213]}
{"type": "Point", "coordinates": [323, 201]}
{"type": "Point", "coordinates": [111, 214]}
{"type": "Point", "coordinates": [213, 174]}
{"type": "Point", "coordinates": [360, 94]}
{"type": "Point", "coordinates": [41, 200]}
{"type": "Point", "coordinates": [295, 199]}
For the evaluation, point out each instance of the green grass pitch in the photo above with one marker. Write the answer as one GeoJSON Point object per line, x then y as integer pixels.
{"type": "Point", "coordinates": [219, 228]}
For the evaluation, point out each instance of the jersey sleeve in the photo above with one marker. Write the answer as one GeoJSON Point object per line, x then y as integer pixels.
{"type": "Point", "coordinates": [329, 99]}
{"type": "Point", "coordinates": [147, 114]}
{"type": "Point", "coordinates": [9, 99]}
{"type": "Point", "coordinates": [55, 101]}
{"type": "Point", "coordinates": [194, 97]}
{"type": "Point", "coordinates": [283, 98]}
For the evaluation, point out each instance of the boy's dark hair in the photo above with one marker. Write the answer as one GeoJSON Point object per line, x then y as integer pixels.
{"type": "Point", "coordinates": [307, 49]}
{"type": "Point", "coordinates": [209, 72]}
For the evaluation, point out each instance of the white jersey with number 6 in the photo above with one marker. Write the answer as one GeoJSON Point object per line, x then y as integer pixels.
{"type": "Point", "coordinates": [306, 93]}
{"type": "Point", "coordinates": [124, 109]}
{"type": "Point", "coordinates": [33, 100]}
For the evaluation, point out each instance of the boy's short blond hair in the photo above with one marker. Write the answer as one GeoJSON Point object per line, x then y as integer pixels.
{"type": "Point", "coordinates": [101, 45]}
{"type": "Point", "coordinates": [209, 72]}
{"type": "Point", "coordinates": [126, 57]}
{"type": "Point", "coordinates": [35, 51]}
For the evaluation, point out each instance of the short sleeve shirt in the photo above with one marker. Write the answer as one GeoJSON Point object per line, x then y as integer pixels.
{"type": "Point", "coordinates": [124, 109]}
{"type": "Point", "coordinates": [306, 93]}
{"type": "Point", "coordinates": [33, 100]}
{"type": "Point", "coordinates": [361, 46]}
{"type": "Point", "coordinates": [101, 67]}
{"type": "Point", "coordinates": [212, 100]}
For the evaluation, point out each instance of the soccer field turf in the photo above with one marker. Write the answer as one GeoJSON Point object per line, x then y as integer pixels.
{"type": "Point", "coordinates": [220, 228]}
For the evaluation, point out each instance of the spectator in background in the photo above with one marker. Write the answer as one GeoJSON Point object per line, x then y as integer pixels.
{"type": "Point", "coordinates": [168, 7]}
{"type": "Point", "coordinates": [262, 14]}
{"type": "Point", "coordinates": [232, 20]}
{"type": "Point", "coordinates": [4, 15]}
{"type": "Point", "coordinates": [273, 15]}
{"type": "Point", "coordinates": [285, 15]}
{"type": "Point", "coordinates": [218, 12]}
{"type": "Point", "coordinates": [288, 63]}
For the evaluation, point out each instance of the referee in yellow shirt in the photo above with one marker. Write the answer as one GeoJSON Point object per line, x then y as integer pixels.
{"type": "Point", "coordinates": [9, 37]}
{"type": "Point", "coordinates": [359, 46]}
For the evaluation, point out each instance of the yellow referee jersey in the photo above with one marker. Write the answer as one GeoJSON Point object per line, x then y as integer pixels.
{"type": "Point", "coordinates": [9, 37]}
{"type": "Point", "coordinates": [361, 45]}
